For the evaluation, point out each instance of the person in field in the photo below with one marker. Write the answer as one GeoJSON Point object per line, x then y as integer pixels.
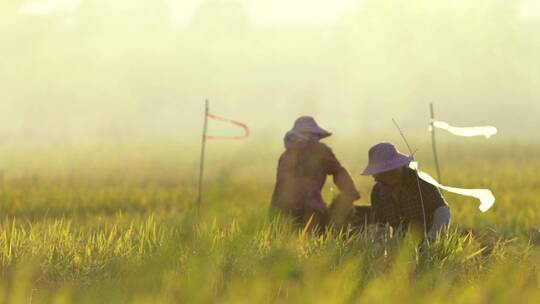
{"type": "Point", "coordinates": [301, 173]}
{"type": "Point", "coordinates": [395, 198]}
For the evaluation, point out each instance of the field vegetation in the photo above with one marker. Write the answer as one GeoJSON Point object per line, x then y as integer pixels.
{"type": "Point", "coordinates": [116, 224]}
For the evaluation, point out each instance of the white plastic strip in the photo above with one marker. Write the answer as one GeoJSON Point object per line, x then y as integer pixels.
{"type": "Point", "coordinates": [486, 131]}
{"type": "Point", "coordinates": [484, 195]}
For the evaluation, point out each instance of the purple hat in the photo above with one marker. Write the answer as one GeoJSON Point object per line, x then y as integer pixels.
{"type": "Point", "coordinates": [308, 125]}
{"type": "Point", "coordinates": [385, 157]}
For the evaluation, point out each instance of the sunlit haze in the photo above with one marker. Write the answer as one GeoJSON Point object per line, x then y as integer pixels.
{"type": "Point", "coordinates": [95, 69]}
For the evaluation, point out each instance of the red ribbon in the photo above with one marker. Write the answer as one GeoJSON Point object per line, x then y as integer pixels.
{"type": "Point", "coordinates": [230, 121]}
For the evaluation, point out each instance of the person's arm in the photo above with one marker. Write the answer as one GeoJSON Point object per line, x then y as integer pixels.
{"type": "Point", "coordinates": [374, 217]}
{"type": "Point", "coordinates": [437, 206]}
{"type": "Point", "coordinates": [378, 227]}
{"type": "Point", "coordinates": [441, 221]}
{"type": "Point", "coordinates": [342, 178]}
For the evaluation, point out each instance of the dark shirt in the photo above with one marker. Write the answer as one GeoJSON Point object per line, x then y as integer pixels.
{"type": "Point", "coordinates": [302, 173]}
{"type": "Point", "coordinates": [407, 209]}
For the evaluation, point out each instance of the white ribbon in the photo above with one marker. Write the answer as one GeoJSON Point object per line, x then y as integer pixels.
{"type": "Point", "coordinates": [486, 131]}
{"type": "Point", "coordinates": [484, 195]}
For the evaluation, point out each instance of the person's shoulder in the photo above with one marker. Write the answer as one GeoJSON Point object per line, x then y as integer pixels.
{"type": "Point", "coordinates": [322, 147]}
{"type": "Point", "coordinates": [375, 195]}
{"type": "Point", "coordinates": [432, 192]}
{"type": "Point", "coordinates": [410, 173]}
{"type": "Point", "coordinates": [425, 185]}
{"type": "Point", "coordinates": [376, 190]}
{"type": "Point", "coordinates": [286, 155]}
{"type": "Point", "coordinates": [413, 178]}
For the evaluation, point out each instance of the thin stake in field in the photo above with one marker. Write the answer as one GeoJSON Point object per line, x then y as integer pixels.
{"type": "Point", "coordinates": [417, 178]}
{"type": "Point", "coordinates": [203, 150]}
{"type": "Point", "coordinates": [484, 195]}
{"type": "Point", "coordinates": [434, 143]}
{"type": "Point", "coordinates": [205, 137]}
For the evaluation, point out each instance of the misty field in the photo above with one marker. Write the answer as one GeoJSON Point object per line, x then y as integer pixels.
{"type": "Point", "coordinates": [115, 224]}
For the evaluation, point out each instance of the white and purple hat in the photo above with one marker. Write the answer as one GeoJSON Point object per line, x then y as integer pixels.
{"type": "Point", "coordinates": [385, 157]}
{"type": "Point", "coordinates": [308, 125]}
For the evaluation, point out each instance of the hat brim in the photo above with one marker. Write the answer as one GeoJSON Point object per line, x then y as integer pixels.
{"type": "Point", "coordinates": [319, 132]}
{"type": "Point", "coordinates": [401, 161]}
{"type": "Point", "coordinates": [322, 133]}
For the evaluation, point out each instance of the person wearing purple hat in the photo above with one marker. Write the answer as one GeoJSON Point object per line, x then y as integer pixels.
{"type": "Point", "coordinates": [301, 174]}
{"type": "Point", "coordinates": [396, 199]}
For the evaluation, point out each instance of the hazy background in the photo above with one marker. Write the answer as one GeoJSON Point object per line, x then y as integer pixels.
{"type": "Point", "coordinates": [119, 70]}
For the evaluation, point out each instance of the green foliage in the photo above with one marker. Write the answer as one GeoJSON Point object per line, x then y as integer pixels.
{"type": "Point", "coordinates": [87, 237]}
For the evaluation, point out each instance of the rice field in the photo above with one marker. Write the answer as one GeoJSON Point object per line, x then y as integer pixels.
{"type": "Point", "coordinates": [116, 223]}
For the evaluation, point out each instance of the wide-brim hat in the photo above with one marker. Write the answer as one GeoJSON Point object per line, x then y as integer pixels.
{"type": "Point", "coordinates": [384, 157]}
{"type": "Point", "coordinates": [308, 125]}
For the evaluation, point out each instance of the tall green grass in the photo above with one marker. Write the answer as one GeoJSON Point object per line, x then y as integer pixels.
{"type": "Point", "coordinates": [123, 229]}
